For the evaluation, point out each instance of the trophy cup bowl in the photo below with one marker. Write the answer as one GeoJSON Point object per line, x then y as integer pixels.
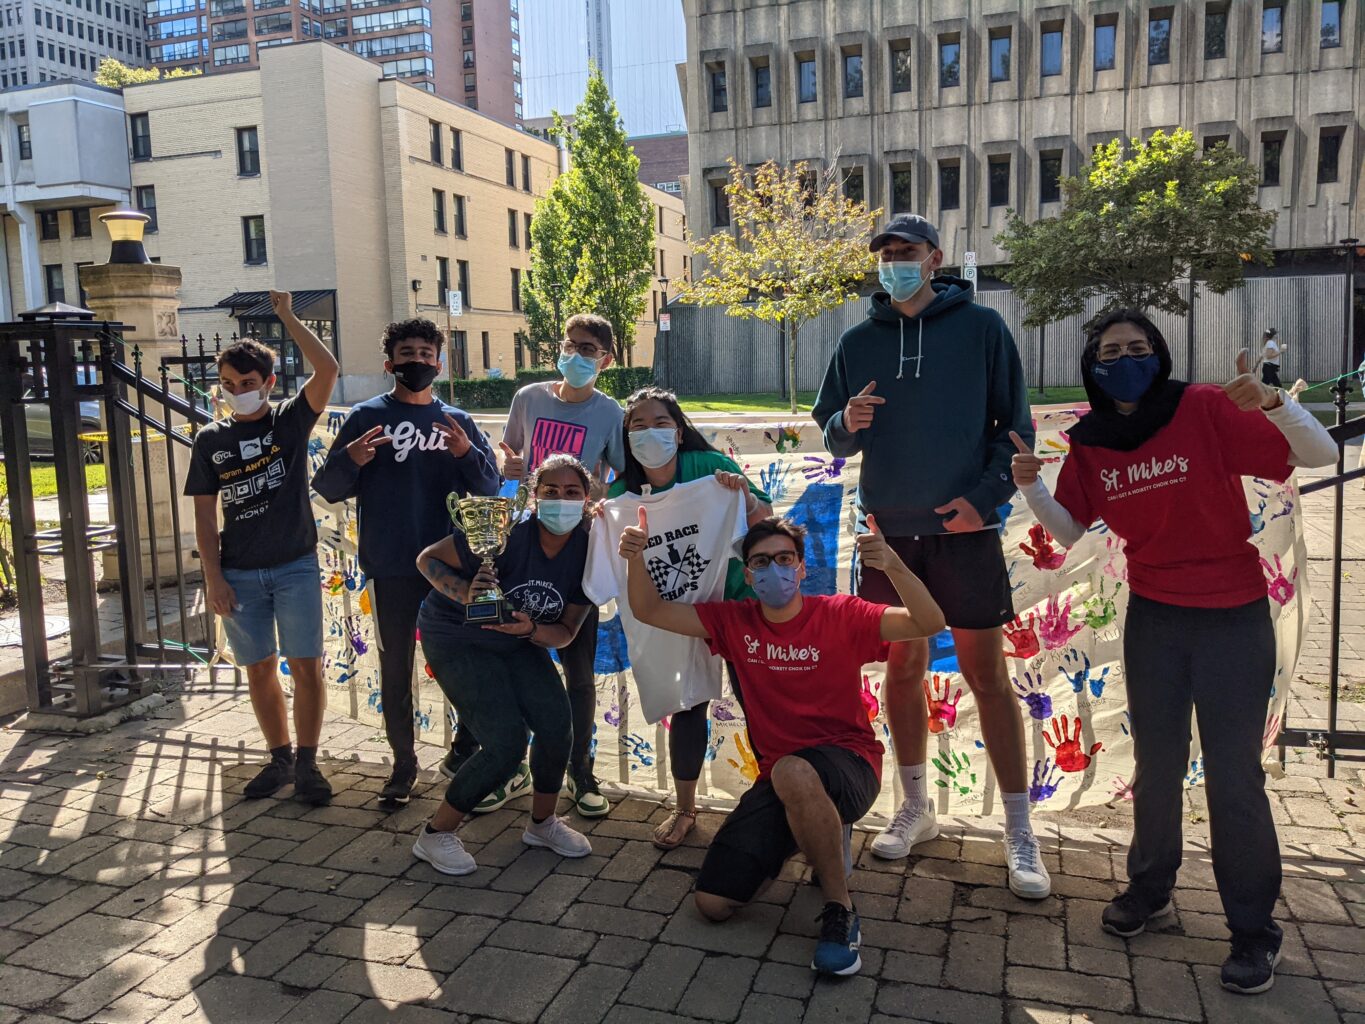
{"type": "Point", "coordinates": [487, 523]}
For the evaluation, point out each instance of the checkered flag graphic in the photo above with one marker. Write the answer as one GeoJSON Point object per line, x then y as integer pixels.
{"type": "Point", "coordinates": [672, 572]}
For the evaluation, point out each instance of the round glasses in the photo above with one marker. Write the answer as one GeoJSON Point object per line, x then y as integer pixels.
{"type": "Point", "coordinates": [786, 559]}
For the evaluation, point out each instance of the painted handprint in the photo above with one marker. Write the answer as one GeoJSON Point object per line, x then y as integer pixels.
{"type": "Point", "coordinates": [784, 439]}
{"type": "Point", "coordinates": [1278, 586]}
{"type": "Point", "coordinates": [612, 716]}
{"type": "Point", "coordinates": [1114, 548]}
{"type": "Point", "coordinates": [1042, 550]}
{"type": "Point", "coordinates": [1033, 692]}
{"type": "Point", "coordinates": [871, 704]}
{"type": "Point", "coordinates": [1123, 789]}
{"type": "Point", "coordinates": [1045, 781]}
{"type": "Point", "coordinates": [942, 710]}
{"type": "Point", "coordinates": [1195, 775]}
{"type": "Point", "coordinates": [1076, 667]}
{"type": "Point", "coordinates": [1258, 517]}
{"type": "Point", "coordinates": [957, 772]}
{"type": "Point", "coordinates": [747, 765]}
{"type": "Point", "coordinates": [640, 750]}
{"type": "Point", "coordinates": [1272, 730]}
{"type": "Point", "coordinates": [1055, 626]}
{"type": "Point", "coordinates": [820, 469]}
{"type": "Point", "coordinates": [773, 480]}
{"type": "Point", "coordinates": [1071, 756]}
{"type": "Point", "coordinates": [1022, 637]}
{"type": "Point", "coordinates": [1099, 610]}
{"type": "Point", "coordinates": [723, 710]}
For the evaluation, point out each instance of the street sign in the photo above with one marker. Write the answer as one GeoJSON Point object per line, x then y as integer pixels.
{"type": "Point", "coordinates": [456, 300]}
{"type": "Point", "coordinates": [969, 272]}
{"type": "Point", "coordinates": [969, 259]}
{"type": "Point", "coordinates": [665, 321]}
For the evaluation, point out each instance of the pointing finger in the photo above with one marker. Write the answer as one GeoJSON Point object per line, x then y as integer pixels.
{"type": "Point", "coordinates": [1243, 362]}
{"type": "Point", "coordinates": [1024, 449]}
{"type": "Point", "coordinates": [871, 387]}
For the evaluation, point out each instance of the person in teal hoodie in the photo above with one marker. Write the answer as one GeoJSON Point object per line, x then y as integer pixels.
{"type": "Point", "coordinates": [928, 389]}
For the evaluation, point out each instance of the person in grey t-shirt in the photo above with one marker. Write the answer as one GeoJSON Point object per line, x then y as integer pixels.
{"type": "Point", "coordinates": [571, 416]}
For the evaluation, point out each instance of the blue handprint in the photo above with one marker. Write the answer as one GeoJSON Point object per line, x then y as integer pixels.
{"type": "Point", "coordinates": [641, 750]}
{"type": "Point", "coordinates": [1076, 668]}
{"type": "Point", "coordinates": [1258, 517]}
{"type": "Point", "coordinates": [1032, 691]}
{"type": "Point", "coordinates": [1196, 773]}
{"type": "Point", "coordinates": [774, 480]}
{"type": "Point", "coordinates": [1046, 779]}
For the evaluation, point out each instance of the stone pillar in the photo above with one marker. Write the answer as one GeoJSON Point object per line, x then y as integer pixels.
{"type": "Point", "coordinates": [145, 297]}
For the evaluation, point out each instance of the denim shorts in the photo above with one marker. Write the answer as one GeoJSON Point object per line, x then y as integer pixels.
{"type": "Point", "coordinates": [285, 599]}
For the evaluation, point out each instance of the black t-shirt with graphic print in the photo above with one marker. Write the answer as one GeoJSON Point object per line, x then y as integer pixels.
{"type": "Point", "coordinates": [260, 468]}
{"type": "Point", "coordinates": [533, 583]}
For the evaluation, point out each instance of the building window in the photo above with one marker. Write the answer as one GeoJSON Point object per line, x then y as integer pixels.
{"type": "Point", "coordinates": [855, 190]}
{"type": "Point", "coordinates": [1000, 181]}
{"type": "Point", "coordinates": [142, 136]}
{"type": "Point", "coordinates": [512, 220]}
{"type": "Point", "coordinates": [48, 228]}
{"type": "Point", "coordinates": [225, 55]}
{"type": "Point", "coordinates": [457, 149]}
{"type": "Point", "coordinates": [145, 196]}
{"type": "Point", "coordinates": [25, 142]}
{"type": "Point", "coordinates": [84, 298]}
{"type": "Point", "coordinates": [1213, 141]}
{"type": "Point", "coordinates": [442, 280]}
{"type": "Point", "coordinates": [1106, 38]}
{"type": "Point", "coordinates": [1331, 24]}
{"type": "Point", "coordinates": [663, 270]}
{"type": "Point", "coordinates": [1050, 176]}
{"type": "Point", "coordinates": [1272, 28]}
{"type": "Point", "coordinates": [1050, 56]}
{"type": "Point", "coordinates": [853, 75]}
{"type": "Point", "coordinates": [1215, 32]}
{"type": "Point", "coordinates": [516, 289]}
{"type": "Point", "coordinates": [949, 62]}
{"type": "Point", "coordinates": [720, 206]}
{"type": "Point", "coordinates": [466, 12]}
{"type": "Point", "coordinates": [462, 268]}
{"type": "Point", "coordinates": [438, 209]}
{"type": "Point", "coordinates": [226, 31]}
{"type": "Point", "coordinates": [526, 227]}
{"type": "Point", "coordinates": [471, 83]}
{"type": "Point", "coordinates": [434, 146]}
{"type": "Point", "coordinates": [720, 99]}
{"type": "Point", "coordinates": [56, 287]}
{"type": "Point", "coordinates": [526, 174]}
{"type": "Point", "coordinates": [270, 24]}
{"type": "Point", "coordinates": [510, 167]}
{"type": "Point", "coordinates": [520, 351]}
{"type": "Point", "coordinates": [469, 58]}
{"type": "Point", "coordinates": [1272, 148]}
{"type": "Point", "coordinates": [253, 239]}
{"type": "Point", "coordinates": [487, 350]}
{"type": "Point", "coordinates": [460, 231]}
{"type": "Point", "coordinates": [1159, 36]}
{"type": "Point", "coordinates": [1329, 154]}
{"type": "Point", "coordinates": [900, 67]}
{"type": "Point", "coordinates": [80, 223]}
{"type": "Point", "coordinates": [248, 152]}
{"type": "Point", "coordinates": [1000, 55]}
{"type": "Point", "coordinates": [805, 79]}
{"type": "Point", "coordinates": [763, 85]}
{"type": "Point", "coordinates": [902, 192]}
{"type": "Point", "coordinates": [949, 185]}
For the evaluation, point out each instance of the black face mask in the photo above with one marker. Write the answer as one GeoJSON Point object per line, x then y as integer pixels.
{"type": "Point", "coordinates": [415, 376]}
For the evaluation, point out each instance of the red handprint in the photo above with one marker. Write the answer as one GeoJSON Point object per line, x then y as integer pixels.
{"type": "Point", "coordinates": [942, 710]}
{"type": "Point", "coordinates": [1043, 552]}
{"type": "Point", "coordinates": [1055, 626]}
{"type": "Point", "coordinates": [871, 705]}
{"type": "Point", "coordinates": [1278, 586]}
{"type": "Point", "coordinates": [1114, 547]}
{"type": "Point", "coordinates": [1071, 756]}
{"type": "Point", "coordinates": [1022, 637]}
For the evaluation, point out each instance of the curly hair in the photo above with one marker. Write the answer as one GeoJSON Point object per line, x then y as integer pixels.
{"type": "Point", "coordinates": [402, 330]}
{"type": "Point", "coordinates": [248, 355]}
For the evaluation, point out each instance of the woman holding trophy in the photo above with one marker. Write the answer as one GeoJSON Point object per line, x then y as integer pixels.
{"type": "Point", "coordinates": [506, 592]}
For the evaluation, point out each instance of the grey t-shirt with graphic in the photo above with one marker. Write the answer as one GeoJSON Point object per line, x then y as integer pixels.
{"type": "Point", "coordinates": [541, 424]}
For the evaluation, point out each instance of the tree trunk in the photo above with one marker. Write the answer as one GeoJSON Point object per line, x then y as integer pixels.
{"type": "Point", "coordinates": [793, 330]}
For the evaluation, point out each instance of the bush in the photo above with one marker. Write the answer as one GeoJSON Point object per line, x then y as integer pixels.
{"type": "Point", "coordinates": [621, 381]}
{"type": "Point", "coordinates": [497, 392]}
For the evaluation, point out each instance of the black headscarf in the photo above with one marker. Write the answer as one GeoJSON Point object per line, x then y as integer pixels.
{"type": "Point", "coordinates": [1104, 426]}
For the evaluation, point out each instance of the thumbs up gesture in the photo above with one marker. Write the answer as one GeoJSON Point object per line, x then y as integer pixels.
{"type": "Point", "coordinates": [635, 538]}
{"type": "Point", "coordinates": [873, 551]}
{"type": "Point", "coordinates": [858, 412]}
{"type": "Point", "coordinates": [513, 465]}
{"type": "Point", "coordinates": [1025, 465]}
{"type": "Point", "coordinates": [1246, 391]}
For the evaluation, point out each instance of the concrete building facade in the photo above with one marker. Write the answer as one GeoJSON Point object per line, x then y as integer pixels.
{"type": "Point", "coordinates": [960, 109]}
{"type": "Point", "coordinates": [47, 40]}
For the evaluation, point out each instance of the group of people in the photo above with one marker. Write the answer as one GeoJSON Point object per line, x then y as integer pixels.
{"type": "Point", "coordinates": [635, 503]}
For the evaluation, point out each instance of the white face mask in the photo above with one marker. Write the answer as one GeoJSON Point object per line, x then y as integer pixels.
{"type": "Point", "coordinates": [248, 403]}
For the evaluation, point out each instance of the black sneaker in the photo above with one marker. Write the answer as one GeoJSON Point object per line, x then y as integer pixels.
{"type": "Point", "coordinates": [453, 762]}
{"type": "Point", "coordinates": [398, 790]}
{"type": "Point", "coordinates": [270, 780]}
{"type": "Point", "coordinates": [310, 785]}
{"type": "Point", "coordinates": [1128, 913]}
{"type": "Point", "coordinates": [1251, 967]}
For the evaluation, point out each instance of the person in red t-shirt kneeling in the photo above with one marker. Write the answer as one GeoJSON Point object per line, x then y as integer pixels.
{"type": "Point", "coordinates": [799, 661]}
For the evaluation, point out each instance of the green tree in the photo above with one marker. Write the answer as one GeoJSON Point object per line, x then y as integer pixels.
{"type": "Point", "coordinates": [1133, 225]}
{"type": "Point", "coordinates": [114, 74]}
{"type": "Point", "coordinates": [553, 267]}
{"type": "Point", "coordinates": [596, 225]}
{"type": "Point", "coordinates": [797, 247]}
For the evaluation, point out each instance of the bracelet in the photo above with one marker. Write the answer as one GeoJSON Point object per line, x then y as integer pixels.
{"type": "Point", "coordinates": [531, 636]}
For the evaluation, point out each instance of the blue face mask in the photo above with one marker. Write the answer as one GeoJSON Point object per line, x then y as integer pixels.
{"type": "Point", "coordinates": [1126, 379]}
{"type": "Point", "coordinates": [654, 447]}
{"type": "Point", "coordinates": [559, 517]}
{"type": "Point", "coordinates": [902, 280]}
{"type": "Point", "coordinates": [578, 370]}
{"type": "Point", "coordinates": [775, 585]}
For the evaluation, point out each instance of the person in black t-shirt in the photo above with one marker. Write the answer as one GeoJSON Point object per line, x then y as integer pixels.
{"type": "Point", "coordinates": [261, 573]}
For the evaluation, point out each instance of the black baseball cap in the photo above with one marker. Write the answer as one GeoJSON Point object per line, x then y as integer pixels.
{"type": "Point", "coordinates": [909, 227]}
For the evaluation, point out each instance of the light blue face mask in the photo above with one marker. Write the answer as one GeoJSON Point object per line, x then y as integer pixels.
{"type": "Point", "coordinates": [654, 447]}
{"type": "Point", "coordinates": [775, 585]}
{"type": "Point", "coordinates": [578, 370]}
{"type": "Point", "coordinates": [559, 516]}
{"type": "Point", "coordinates": [901, 279]}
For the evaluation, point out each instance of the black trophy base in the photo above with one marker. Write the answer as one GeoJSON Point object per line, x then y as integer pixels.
{"type": "Point", "coordinates": [489, 613]}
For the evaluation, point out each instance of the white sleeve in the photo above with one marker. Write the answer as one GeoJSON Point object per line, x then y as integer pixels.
{"type": "Point", "coordinates": [1309, 442]}
{"type": "Point", "coordinates": [1049, 511]}
{"type": "Point", "coordinates": [599, 575]}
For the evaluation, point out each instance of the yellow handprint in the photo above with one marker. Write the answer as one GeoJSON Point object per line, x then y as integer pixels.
{"type": "Point", "coordinates": [749, 768]}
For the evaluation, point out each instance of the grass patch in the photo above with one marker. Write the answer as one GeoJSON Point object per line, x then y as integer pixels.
{"type": "Point", "coordinates": [772, 402]}
{"type": "Point", "coordinates": [43, 476]}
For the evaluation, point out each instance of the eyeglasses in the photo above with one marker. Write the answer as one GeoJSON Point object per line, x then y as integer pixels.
{"type": "Point", "coordinates": [786, 559]}
{"type": "Point", "coordinates": [1137, 349]}
{"type": "Point", "coordinates": [587, 350]}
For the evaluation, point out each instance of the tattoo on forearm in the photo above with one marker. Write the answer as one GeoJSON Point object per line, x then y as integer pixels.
{"type": "Point", "coordinates": [447, 581]}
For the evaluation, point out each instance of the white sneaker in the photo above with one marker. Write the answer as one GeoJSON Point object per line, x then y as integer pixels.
{"type": "Point", "coordinates": [444, 852]}
{"type": "Point", "coordinates": [913, 824]}
{"type": "Point", "coordinates": [555, 834]}
{"type": "Point", "coordinates": [1029, 879]}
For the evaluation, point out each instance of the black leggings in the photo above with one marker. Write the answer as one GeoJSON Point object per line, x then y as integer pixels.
{"type": "Point", "coordinates": [687, 735]}
{"type": "Point", "coordinates": [578, 660]}
{"type": "Point", "coordinates": [397, 600]}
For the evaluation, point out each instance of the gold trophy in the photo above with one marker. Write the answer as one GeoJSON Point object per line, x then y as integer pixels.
{"type": "Point", "coordinates": [487, 523]}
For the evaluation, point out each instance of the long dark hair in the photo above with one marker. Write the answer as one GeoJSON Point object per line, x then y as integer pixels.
{"type": "Point", "coordinates": [1104, 426]}
{"type": "Point", "coordinates": [1091, 354]}
{"type": "Point", "coordinates": [692, 441]}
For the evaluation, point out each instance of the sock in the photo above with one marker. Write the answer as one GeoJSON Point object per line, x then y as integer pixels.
{"type": "Point", "coordinates": [306, 755]}
{"type": "Point", "coordinates": [429, 830]}
{"type": "Point", "coordinates": [1016, 810]}
{"type": "Point", "coordinates": [914, 782]}
{"type": "Point", "coordinates": [539, 821]}
{"type": "Point", "coordinates": [284, 754]}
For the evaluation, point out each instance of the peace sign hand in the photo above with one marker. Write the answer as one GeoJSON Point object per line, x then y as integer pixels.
{"type": "Point", "coordinates": [457, 441]}
{"type": "Point", "coordinates": [361, 450]}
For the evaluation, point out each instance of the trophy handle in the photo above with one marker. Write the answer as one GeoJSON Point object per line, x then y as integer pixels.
{"type": "Point", "coordinates": [453, 508]}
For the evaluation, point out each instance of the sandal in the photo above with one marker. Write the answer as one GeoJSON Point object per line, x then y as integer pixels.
{"type": "Point", "coordinates": [663, 835]}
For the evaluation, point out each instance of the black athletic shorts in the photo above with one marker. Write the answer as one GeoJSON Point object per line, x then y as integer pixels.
{"type": "Point", "coordinates": [755, 840]}
{"type": "Point", "coordinates": [964, 572]}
